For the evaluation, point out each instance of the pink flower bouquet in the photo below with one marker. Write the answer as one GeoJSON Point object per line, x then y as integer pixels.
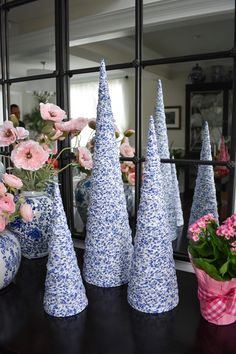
{"type": "Point", "coordinates": [9, 208]}
{"type": "Point", "coordinates": [212, 250]}
{"type": "Point", "coordinates": [32, 160]}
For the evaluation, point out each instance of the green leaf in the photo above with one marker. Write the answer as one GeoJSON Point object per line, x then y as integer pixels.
{"type": "Point", "coordinates": [224, 268]}
{"type": "Point", "coordinates": [210, 269]}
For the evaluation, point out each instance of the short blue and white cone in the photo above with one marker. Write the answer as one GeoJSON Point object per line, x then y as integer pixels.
{"type": "Point", "coordinates": [153, 285]}
{"type": "Point", "coordinates": [108, 243]}
{"type": "Point", "coordinates": [204, 198]}
{"type": "Point", "coordinates": [64, 290]}
{"type": "Point", "coordinates": [171, 187]}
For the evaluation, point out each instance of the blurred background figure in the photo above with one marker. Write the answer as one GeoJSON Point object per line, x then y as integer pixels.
{"type": "Point", "coordinates": [14, 109]}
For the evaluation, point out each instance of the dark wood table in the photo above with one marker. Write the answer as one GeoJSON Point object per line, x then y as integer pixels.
{"type": "Point", "coordinates": [108, 326]}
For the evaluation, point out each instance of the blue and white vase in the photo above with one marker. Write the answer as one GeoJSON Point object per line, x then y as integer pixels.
{"type": "Point", "coordinates": [130, 198]}
{"type": "Point", "coordinates": [10, 257]}
{"type": "Point", "coordinates": [82, 192]}
{"type": "Point", "coordinates": [33, 236]}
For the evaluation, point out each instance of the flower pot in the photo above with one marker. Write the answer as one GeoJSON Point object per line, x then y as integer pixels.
{"type": "Point", "coordinates": [10, 257]}
{"type": "Point", "coordinates": [33, 236]}
{"type": "Point", "coordinates": [217, 298]}
{"type": "Point", "coordinates": [82, 192]}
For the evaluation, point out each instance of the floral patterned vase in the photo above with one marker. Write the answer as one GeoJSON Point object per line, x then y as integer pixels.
{"type": "Point", "coordinates": [10, 257]}
{"type": "Point", "coordinates": [33, 236]}
{"type": "Point", "coordinates": [82, 191]}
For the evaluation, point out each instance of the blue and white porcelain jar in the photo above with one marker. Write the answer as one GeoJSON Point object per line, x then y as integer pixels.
{"type": "Point", "coordinates": [10, 257]}
{"type": "Point", "coordinates": [33, 236]}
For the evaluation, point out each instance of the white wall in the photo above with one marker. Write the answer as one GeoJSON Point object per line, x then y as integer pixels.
{"type": "Point", "coordinates": [174, 95]}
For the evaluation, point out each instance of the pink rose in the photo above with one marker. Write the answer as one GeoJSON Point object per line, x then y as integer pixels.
{"type": "Point", "coordinates": [29, 155]}
{"type": "Point", "coordinates": [7, 134]}
{"type": "Point", "coordinates": [126, 150]}
{"type": "Point", "coordinates": [131, 178]}
{"type": "Point", "coordinates": [12, 181]}
{"type": "Point", "coordinates": [2, 223]}
{"type": "Point", "coordinates": [2, 189]}
{"type": "Point", "coordinates": [84, 157]}
{"type": "Point", "coordinates": [26, 212]}
{"type": "Point", "coordinates": [50, 111]}
{"type": "Point", "coordinates": [21, 133]}
{"type": "Point", "coordinates": [7, 204]}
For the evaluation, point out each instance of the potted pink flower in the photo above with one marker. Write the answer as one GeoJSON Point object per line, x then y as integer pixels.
{"type": "Point", "coordinates": [212, 250]}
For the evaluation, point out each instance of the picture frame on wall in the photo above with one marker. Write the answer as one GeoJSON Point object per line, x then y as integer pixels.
{"type": "Point", "coordinates": [173, 117]}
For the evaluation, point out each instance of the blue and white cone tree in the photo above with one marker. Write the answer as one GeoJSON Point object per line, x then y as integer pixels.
{"type": "Point", "coordinates": [204, 198]}
{"type": "Point", "coordinates": [153, 285]}
{"type": "Point", "coordinates": [108, 243]}
{"type": "Point", "coordinates": [171, 187]}
{"type": "Point", "coordinates": [64, 290]}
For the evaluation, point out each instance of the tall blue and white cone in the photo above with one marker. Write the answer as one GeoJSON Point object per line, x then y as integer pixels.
{"type": "Point", "coordinates": [64, 290]}
{"type": "Point", "coordinates": [204, 198]}
{"type": "Point", "coordinates": [108, 243]}
{"type": "Point", "coordinates": [153, 285]}
{"type": "Point", "coordinates": [171, 187]}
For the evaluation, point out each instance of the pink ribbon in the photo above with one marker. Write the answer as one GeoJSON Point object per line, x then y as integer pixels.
{"type": "Point", "coordinates": [214, 306]}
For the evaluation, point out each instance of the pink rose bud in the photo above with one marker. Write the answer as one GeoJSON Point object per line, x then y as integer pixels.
{"type": "Point", "coordinates": [26, 212]}
{"type": "Point", "coordinates": [2, 223]}
{"type": "Point", "coordinates": [129, 132]}
{"type": "Point", "coordinates": [2, 189]}
{"type": "Point", "coordinates": [12, 181]}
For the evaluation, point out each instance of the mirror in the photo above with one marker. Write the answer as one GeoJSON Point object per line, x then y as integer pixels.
{"type": "Point", "coordinates": [105, 29]}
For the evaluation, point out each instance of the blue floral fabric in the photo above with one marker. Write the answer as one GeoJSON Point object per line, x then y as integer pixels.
{"type": "Point", "coordinates": [108, 243]}
{"type": "Point", "coordinates": [153, 285]}
{"type": "Point", "coordinates": [204, 198]}
{"type": "Point", "coordinates": [171, 187]}
{"type": "Point", "coordinates": [64, 290]}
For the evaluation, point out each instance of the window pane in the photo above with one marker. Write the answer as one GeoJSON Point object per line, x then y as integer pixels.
{"type": "Point", "coordinates": [102, 29]}
{"type": "Point", "coordinates": [27, 96]}
{"type": "Point", "coordinates": [213, 97]}
{"type": "Point", "coordinates": [31, 39]}
{"type": "Point", "coordinates": [170, 30]}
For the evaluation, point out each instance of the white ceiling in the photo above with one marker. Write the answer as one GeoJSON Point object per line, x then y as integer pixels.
{"type": "Point", "coordinates": [105, 28]}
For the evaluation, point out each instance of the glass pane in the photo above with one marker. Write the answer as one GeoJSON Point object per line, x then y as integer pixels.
{"type": "Point", "coordinates": [169, 31]}
{"type": "Point", "coordinates": [176, 83]}
{"type": "Point", "coordinates": [104, 30]}
{"type": "Point", "coordinates": [27, 96]}
{"type": "Point", "coordinates": [31, 39]}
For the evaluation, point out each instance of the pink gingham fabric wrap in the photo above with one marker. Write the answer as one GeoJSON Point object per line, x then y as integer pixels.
{"type": "Point", "coordinates": [217, 298]}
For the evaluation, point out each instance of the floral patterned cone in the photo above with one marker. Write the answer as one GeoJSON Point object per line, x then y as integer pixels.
{"type": "Point", "coordinates": [64, 290]}
{"type": "Point", "coordinates": [108, 243]}
{"type": "Point", "coordinates": [153, 286]}
{"type": "Point", "coordinates": [204, 198]}
{"type": "Point", "coordinates": [171, 188]}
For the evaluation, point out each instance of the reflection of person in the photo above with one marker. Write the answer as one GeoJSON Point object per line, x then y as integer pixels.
{"type": "Point", "coordinates": [14, 109]}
